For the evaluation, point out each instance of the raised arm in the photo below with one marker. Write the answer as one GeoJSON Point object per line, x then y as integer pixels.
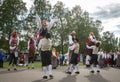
{"type": "Point", "coordinates": [52, 21]}
{"type": "Point", "coordinates": [38, 21]}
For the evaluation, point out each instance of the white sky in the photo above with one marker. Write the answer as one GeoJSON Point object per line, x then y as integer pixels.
{"type": "Point", "coordinates": [93, 6]}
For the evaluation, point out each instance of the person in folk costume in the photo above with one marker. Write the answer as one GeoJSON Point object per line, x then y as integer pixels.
{"type": "Point", "coordinates": [31, 54]}
{"type": "Point", "coordinates": [87, 53]}
{"type": "Point", "coordinates": [111, 59]}
{"type": "Point", "coordinates": [101, 55]}
{"type": "Point", "coordinates": [45, 47]}
{"type": "Point", "coordinates": [13, 42]}
{"type": "Point", "coordinates": [43, 27]}
{"type": "Point", "coordinates": [106, 57]}
{"type": "Point", "coordinates": [94, 56]}
{"type": "Point", "coordinates": [91, 40]}
{"type": "Point", "coordinates": [54, 58]}
{"type": "Point", "coordinates": [14, 38]}
{"type": "Point", "coordinates": [74, 58]}
{"type": "Point", "coordinates": [71, 38]}
{"type": "Point", "coordinates": [87, 61]}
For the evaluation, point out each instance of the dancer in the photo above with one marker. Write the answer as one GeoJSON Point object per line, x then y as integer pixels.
{"type": "Point", "coordinates": [94, 56]}
{"type": "Point", "coordinates": [13, 42]}
{"type": "Point", "coordinates": [31, 54]}
{"type": "Point", "coordinates": [43, 27]}
{"type": "Point", "coordinates": [71, 38]}
{"type": "Point", "coordinates": [91, 40]}
{"type": "Point", "coordinates": [74, 57]}
{"type": "Point", "coordinates": [45, 46]}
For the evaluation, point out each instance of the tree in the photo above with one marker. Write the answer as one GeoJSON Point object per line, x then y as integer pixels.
{"type": "Point", "coordinates": [61, 27]}
{"type": "Point", "coordinates": [83, 25]}
{"type": "Point", "coordinates": [11, 12]}
{"type": "Point", "coordinates": [29, 29]}
{"type": "Point", "coordinates": [109, 42]}
{"type": "Point", "coordinates": [43, 8]}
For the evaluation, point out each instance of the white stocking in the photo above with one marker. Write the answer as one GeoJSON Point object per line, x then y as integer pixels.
{"type": "Point", "coordinates": [44, 70]}
{"type": "Point", "coordinates": [50, 69]}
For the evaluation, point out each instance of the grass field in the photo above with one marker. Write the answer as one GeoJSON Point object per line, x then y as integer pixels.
{"type": "Point", "coordinates": [37, 64]}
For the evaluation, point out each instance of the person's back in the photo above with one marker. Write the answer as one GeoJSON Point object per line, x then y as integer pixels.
{"type": "Point", "coordinates": [46, 44]}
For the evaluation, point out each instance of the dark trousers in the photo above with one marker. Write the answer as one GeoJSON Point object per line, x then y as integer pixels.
{"type": "Point", "coordinates": [94, 58]}
{"type": "Point", "coordinates": [12, 59]}
{"type": "Point", "coordinates": [61, 61]}
{"type": "Point", "coordinates": [74, 59]}
{"type": "Point", "coordinates": [46, 58]}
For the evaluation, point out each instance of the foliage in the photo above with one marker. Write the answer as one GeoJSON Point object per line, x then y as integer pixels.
{"type": "Point", "coordinates": [11, 18]}
{"type": "Point", "coordinates": [15, 16]}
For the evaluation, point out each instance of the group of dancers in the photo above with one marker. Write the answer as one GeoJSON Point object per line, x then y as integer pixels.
{"type": "Point", "coordinates": [92, 47]}
{"type": "Point", "coordinates": [42, 39]}
{"type": "Point", "coordinates": [44, 46]}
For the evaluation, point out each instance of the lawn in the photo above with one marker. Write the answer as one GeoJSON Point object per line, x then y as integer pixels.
{"type": "Point", "coordinates": [37, 64]}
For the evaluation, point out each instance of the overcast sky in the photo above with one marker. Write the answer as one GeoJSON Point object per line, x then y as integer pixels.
{"type": "Point", "coordinates": [108, 11]}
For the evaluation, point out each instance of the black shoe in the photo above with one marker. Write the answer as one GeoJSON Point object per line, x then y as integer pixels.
{"type": "Point", "coordinates": [98, 71]}
{"type": "Point", "coordinates": [8, 69]}
{"type": "Point", "coordinates": [51, 76]}
{"type": "Point", "coordinates": [77, 72]}
{"type": "Point", "coordinates": [44, 77]}
{"type": "Point", "coordinates": [68, 72]}
{"type": "Point", "coordinates": [92, 71]}
{"type": "Point", "coordinates": [15, 69]}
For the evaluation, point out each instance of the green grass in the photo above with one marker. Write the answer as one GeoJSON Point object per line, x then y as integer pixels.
{"type": "Point", "coordinates": [80, 63]}
{"type": "Point", "coordinates": [37, 64]}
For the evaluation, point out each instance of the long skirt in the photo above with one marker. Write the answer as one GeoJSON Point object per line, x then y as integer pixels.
{"type": "Point", "coordinates": [54, 62]}
{"type": "Point", "coordinates": [31, 54]}
{"type": "Point", "coordinates": [32, 51]}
